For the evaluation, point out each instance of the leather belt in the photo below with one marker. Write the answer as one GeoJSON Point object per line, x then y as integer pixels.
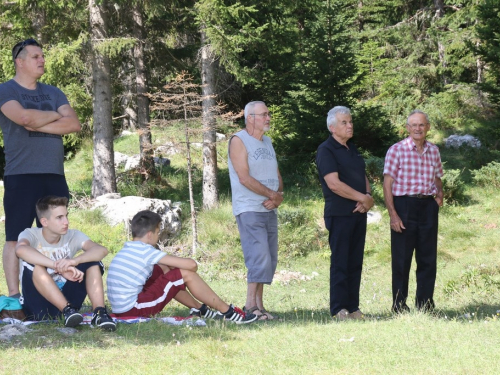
{"type": "Point", "coordinates": [419, 196]}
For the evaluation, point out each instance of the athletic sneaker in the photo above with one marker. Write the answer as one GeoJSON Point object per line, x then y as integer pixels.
{"type": "Point", "coordinates": [205, 312]}
{"type": "Point", "coordinates": [235, 314]}
{"type": "Point", "coordinates": [72, 317]}
{"type": "Point", "coordinates": [101, 319]}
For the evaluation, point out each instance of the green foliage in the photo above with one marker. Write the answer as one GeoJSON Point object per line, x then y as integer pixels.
{"type": "Point", "coordinates": [298, 233]}
{"type": "Point", "coordinates": [453, 185]}
{"type": "Point", "coordinates": [489, 175]}
{"type": "Point", "coordinates": [373, 131]}
{"type": "Point", "coordinates": [488, 49]}
{"type": "Point", "coordinates": [374, 169]}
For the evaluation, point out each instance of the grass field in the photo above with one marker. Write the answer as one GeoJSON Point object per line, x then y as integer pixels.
{"type": "Point", "coordinates": [463, 337]}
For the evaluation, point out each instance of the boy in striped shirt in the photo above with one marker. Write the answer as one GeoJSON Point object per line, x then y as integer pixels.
{"type": "Point", "coordinates": [142, 279]}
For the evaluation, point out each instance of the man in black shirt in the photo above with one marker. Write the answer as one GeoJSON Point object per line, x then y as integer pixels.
{"type": "Point", "coordinates": [348, 198]}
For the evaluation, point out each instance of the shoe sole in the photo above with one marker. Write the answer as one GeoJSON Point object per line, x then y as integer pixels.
{"type": "Point", "coordinates": [246, 321]}
{"type": "Point", "coordinates": [108, 326]}
{"type": "Point", "coordinates": [74, 320]}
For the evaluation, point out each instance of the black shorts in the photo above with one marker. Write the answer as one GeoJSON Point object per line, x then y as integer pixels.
{"type": "Point", "coordinates": [36, 307]}
{"type": "Point", "coordinates": [21, 192]}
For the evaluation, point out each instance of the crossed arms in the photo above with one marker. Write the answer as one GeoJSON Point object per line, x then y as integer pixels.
{"type": "Point", "coordinates": [60, 122]}
{"type": "Point", "coordinates": [92, 252]}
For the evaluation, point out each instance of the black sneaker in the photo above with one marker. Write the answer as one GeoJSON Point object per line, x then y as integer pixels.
{"type": "Point", "coordinates": [101, 319]}
{"type": "Point", "coordinates": [72, 317]}
{"type": "Point", "coordinates": [205, 312]}
{"type": "Point", "coordinates": [236, 315]}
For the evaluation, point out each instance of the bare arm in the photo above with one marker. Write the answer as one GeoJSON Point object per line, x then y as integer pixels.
{"type": "Point", "coordinates": [439, 194]}
{"type": "Point", "coordinates": [340, 188]}
{"type": "Point", "coordinates": [396, 222]}
{"type": "Point", "coordinates": [31, 255]}
{"type": "Point", "coordinates": [92, 252]}
{"type": "Point", "coordinates": [172, 261]}
{"type": "Point", "coordinates": [238, 156]}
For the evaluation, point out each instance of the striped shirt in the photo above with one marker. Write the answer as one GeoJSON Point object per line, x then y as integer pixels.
{"type": "Point", "coordinates": [128, 272]}
{"type": "Point", "coordinates": [412, 172]}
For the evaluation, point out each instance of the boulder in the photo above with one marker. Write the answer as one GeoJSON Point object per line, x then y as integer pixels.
{"type": "Point", "coordinates": [168, 148]}
{"type": "Point", "coordinates": [456, 141]}
{"type": "Point", "coordinates": [374, 217]}
{"type": "Point", "coordinates": [132, 162]}
{"type": "Point", "coordinates": [117, 209]}
{"type": "Point", "coordinates": [120, 159]}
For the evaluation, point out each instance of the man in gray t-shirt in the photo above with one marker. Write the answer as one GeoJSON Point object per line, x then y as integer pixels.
{"type": "Point", "coordinates": [33, 118]}
{"type": "Point", "coordinates": [257, 191]}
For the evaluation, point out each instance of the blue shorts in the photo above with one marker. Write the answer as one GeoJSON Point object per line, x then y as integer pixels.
{"type": "Point", "coordinates": [21, 192]}
{"type": "Point", "coordinates": [36, 307]}
{"type": "Point", "coordinates": [259, 241]}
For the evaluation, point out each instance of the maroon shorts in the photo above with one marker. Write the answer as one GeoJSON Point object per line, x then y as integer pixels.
{"type": "Point", "coordinates": [159, 290]}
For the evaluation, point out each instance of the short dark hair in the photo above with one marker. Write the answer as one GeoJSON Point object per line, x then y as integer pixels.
{"type": "Point", "coordinates": [144, 222]}
{"type": "Point", "coordinates": [17, 50]}
{"type": "Point", "coordinates": [48, 203]}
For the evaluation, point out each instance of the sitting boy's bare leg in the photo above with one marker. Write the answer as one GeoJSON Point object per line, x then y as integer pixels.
{"type": "Point", "coordinates": [46, 286]}
{"type": "Point", "coordinates": [202, 292]}
{"type": "Point", "coordinates": [187, 299]}
{"type": "Point", "coordinates": [94, 286]}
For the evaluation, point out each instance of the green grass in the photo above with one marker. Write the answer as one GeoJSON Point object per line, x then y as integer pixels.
{"type": "Point", "coordinates": [462, 338]}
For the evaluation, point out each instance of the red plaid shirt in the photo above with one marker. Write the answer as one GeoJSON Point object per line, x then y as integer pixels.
{"type": "Point", "coordinates": [413, 173]}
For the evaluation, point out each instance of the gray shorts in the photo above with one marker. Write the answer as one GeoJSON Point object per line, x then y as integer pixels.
{"type": "Point", "coordinates": [259, 241]}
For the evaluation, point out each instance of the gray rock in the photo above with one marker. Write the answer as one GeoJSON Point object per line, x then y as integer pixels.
{"type": "Point", "coordinates": [9, 331]}
{"type": "Point", "coordinates": [374, 217]}
{"type": "Point", "coordinates": [459, 140]}
{"type": "Point", "coordinates": [120, 159]}
{"type": "Point", "coordinates": [117, 210]}
{"type": "Point", "coordinates": [168, 148]}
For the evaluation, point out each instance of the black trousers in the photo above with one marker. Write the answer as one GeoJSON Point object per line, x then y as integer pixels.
{"type": "Point", "coordinates": [347, 243]}
{"type": "Point", "coordinates": [420, 218]}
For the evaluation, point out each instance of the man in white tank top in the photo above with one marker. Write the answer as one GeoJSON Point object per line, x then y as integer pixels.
{"type": "Point", "coordinates": [257, 191]}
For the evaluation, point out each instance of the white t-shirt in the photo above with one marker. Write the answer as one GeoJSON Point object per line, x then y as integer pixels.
{"type": "Point", "coordinates": [67, 247]}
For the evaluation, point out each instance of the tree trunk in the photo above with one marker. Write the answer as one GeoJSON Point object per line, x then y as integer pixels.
{"type": "Point", "coordinates": [104, 179]}
{"type": "Point", "coordinates": [127, 102]}
{"type": "Point", "coordinates": [210, 186]}
{"type": "Point", "coordinates": [194, 226]}
{"type": "Point", "coordinates": [439, 5]}
{"type": "Point", "coordinates": [146, 148]}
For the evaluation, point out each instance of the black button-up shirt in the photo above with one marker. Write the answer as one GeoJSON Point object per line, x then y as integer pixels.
{"type": "Point", "coordinates": [350, 166]}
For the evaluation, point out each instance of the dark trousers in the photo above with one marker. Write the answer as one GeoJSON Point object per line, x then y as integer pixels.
{"type": "Point", "coordinates": [36, 307]}
{"type": "Point", "coordinates": [347, 243]}
{"type": "Point", "coordinates": [420, 218]}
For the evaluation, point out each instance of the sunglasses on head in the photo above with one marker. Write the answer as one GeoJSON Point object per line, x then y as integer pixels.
{"type": "Point", "coordinates": [21, 45]}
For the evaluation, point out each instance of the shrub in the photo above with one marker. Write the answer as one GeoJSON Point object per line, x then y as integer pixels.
{"type": "Point", "coordinates": [453, 185]}
{"type": "Point", "coordinates": [374, 169]}
{"type": "Point", "coordinates": [489, 175]}
{"type": "Point", "coordinates": [298, 232]}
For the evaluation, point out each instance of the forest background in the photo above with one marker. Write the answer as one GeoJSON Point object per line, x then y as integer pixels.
{"type": "Point", "coordinates": [382, 59]}
{"type": "Point", "coordinates": [148, 66]}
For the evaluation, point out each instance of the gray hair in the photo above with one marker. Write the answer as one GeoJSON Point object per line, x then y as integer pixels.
{"type": "Point", "coordinates": [249, 108]}
{"type": "Point", "coordinates": [417, 111]}
{"type": "Point", "coordinates": [331, 119]}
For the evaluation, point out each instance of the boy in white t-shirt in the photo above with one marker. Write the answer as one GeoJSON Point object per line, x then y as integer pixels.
{"type": "Point", "coordinates": [54, 281]}
{"type": "Point", "coordinates": [142, 280]}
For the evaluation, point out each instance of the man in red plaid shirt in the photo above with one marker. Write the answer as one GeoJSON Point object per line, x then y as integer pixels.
{"type": "Point", "coordinates": [413, 193]}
